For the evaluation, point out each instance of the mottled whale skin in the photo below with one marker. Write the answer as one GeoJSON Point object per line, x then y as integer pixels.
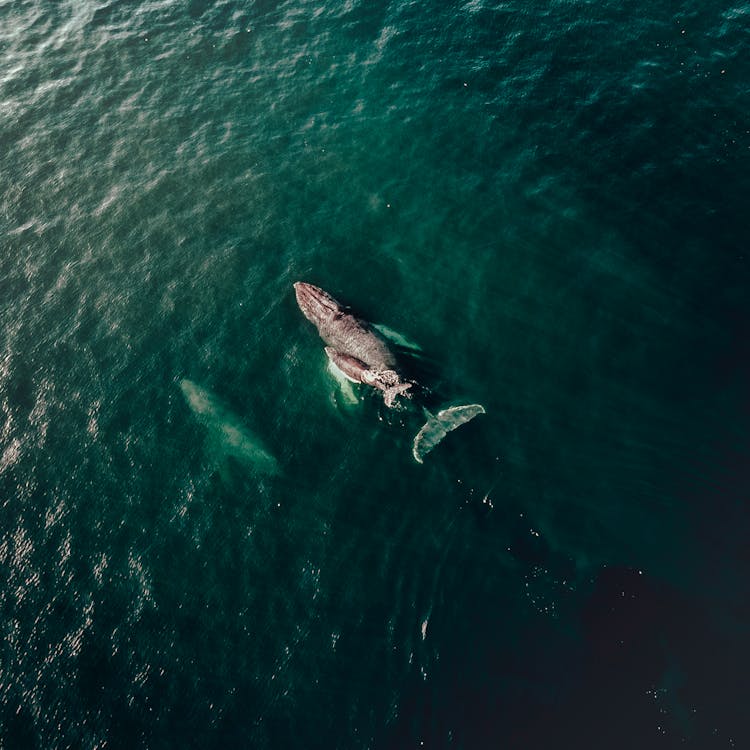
{"type": "Point", "coordinates": [353, 345]}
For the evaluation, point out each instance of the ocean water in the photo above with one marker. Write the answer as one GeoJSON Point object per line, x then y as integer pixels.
{"type": "Point", "coordinates": [206, 542]}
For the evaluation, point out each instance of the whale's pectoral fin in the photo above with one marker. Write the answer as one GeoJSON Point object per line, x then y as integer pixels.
{"type": "Point", "coordinates": [438, 426]}
{"type": "Point", "coordinates": [391, 392]}
{"type": "Point", "coordinates": [345, 388]}
{"type": "Point", "coordinates": [397, 338]}
{"type": "Point", "coordinates": [333, 355]}
{"type": "Point", "coordinates": [352, 368]}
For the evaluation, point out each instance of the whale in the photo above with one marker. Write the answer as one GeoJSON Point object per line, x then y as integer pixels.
{"type": "Point", "coordinates": [353, 345]}
{"type": "Point", "coordinates": [227, 436]}
{"type": "Point", "coordinates": [359, 351]}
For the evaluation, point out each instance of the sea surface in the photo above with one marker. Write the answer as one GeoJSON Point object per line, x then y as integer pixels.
{"type": "Point", "coordinates": [207, 542]}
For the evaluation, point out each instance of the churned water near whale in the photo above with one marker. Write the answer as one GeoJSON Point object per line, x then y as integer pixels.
{"type": "Point", "coordinates": [206, 542]}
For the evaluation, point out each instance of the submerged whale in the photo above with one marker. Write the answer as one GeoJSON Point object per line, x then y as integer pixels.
{"type": "Point", "coordinates": [354, 346]}
{"type": "Point", "coordinates": [358, 350]}
{"type": "Point", "coordinates": [227, 435]}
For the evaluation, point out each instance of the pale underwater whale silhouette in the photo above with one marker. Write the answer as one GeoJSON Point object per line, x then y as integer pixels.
{"type": "Point", "coordinates": [227, 436]}
{"type": "Point", "coordinates": [362, 354]}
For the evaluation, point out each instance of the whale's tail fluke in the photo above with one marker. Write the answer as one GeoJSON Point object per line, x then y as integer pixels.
{"type": "Point", "coordinates": [391, 392]}
{"type": "Point", "coordinates": [439, 425]}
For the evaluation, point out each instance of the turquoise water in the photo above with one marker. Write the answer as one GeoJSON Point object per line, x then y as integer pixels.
{"type": "Point", "coordinates": [205, 543]}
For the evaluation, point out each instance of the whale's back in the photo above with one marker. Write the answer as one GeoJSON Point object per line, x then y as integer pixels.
{"type": "Point", "coordinates": [355, 338]}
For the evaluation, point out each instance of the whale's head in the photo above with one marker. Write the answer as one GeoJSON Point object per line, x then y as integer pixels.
{"type": "Point", "coordinates": [316, 305]}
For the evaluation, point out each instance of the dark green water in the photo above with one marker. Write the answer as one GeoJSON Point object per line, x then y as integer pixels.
{"type": "Point", "coordinates": [551, 200]}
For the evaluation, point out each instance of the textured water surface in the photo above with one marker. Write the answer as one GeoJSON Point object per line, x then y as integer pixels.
{"type": "Point", "coordinates": [205, 541]}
